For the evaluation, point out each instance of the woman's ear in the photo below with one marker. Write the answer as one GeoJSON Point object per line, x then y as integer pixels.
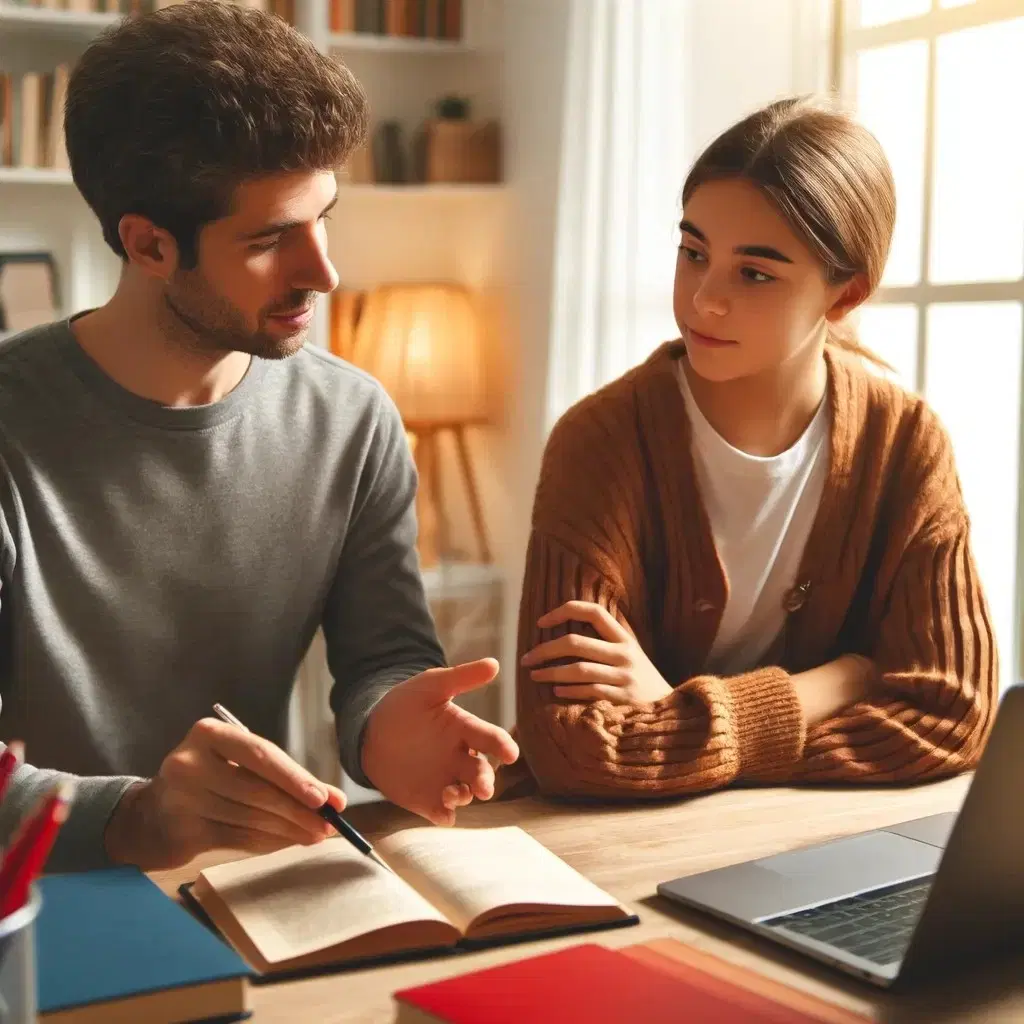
{"type": "Point", "coordinates": [850, 295]}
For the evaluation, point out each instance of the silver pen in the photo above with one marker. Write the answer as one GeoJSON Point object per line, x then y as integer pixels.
{"type": "Point", "coordinates": [330, 814]}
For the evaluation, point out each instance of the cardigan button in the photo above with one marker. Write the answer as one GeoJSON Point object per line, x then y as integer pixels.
{"type": "Point", "coordinates": [795, 597]}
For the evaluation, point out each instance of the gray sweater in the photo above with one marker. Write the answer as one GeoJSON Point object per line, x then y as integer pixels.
{"type": "Point", "coordinates": [155, 560]}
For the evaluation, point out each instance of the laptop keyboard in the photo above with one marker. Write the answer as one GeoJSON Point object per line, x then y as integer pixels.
{"type": "Point", "coordinates": [875, 925]}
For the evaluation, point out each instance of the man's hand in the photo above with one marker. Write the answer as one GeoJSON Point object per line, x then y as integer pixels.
{"type": "Point", "coordinates": [221, 788]}
{"type": "Point", "coordinates": [613, 668]}
{"type": "Point", "coordinates": [427, 754]}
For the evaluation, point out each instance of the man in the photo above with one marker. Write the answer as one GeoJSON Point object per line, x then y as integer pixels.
{"type": "Point", "coordinates": [187, 492]}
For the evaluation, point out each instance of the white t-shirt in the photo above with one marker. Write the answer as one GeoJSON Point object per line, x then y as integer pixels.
{"type": "Point", "coordinates": [761, 512]}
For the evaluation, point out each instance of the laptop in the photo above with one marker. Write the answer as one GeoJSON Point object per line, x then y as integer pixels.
{"type": "Point", "coordinates": [900, 903]}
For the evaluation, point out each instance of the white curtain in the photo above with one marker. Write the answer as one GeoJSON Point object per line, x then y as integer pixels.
{"type": "Point", "coordinates": [623, 164]}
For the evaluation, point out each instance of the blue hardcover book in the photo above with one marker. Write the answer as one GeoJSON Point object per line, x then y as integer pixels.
{"type": "Point", "coordinates": [111, 948]}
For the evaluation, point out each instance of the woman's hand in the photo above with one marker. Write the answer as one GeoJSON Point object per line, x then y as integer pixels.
{"type": "Point", "coordinates": [612, 668]}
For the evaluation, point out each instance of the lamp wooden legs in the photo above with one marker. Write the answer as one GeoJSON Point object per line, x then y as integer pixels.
{"type": "Point", "coordinates": [472, 492]}
{"type": "Point", "coordinates": [434, 526]}
{"type": "Point", "coordinates": [428, 507]}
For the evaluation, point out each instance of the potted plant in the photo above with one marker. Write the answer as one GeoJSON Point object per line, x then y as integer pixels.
{"type": "Point", "coordinates": [455, 148]}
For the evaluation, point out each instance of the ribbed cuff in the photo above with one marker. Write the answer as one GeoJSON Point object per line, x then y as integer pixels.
{"type": "Point", "coordinates": [80, 844]}
{"type": "Point", "coordinates": [351, 730]}
{"type": "Point", "coordinates": [770, 728]}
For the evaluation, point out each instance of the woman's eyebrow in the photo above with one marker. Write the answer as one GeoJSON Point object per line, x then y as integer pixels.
{"type": "Point", "coordinates": [765, 252]}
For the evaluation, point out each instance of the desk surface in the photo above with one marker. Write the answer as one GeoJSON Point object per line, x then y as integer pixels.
{"type": "Point", "coordinates": [627, 850]}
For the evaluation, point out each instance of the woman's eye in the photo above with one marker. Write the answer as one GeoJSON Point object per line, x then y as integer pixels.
{"type": "Point", "coordinates": [693, 255]}
{"type": "Point", "coordinates": [756, 276]}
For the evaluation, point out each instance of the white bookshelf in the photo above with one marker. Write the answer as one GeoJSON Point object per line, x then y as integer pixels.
{"type": "Point", "coordinates": [40, 208]}
{"type": "Point", "coordinates": [455, 579]}
{"type": "Point", "coordinates": [349, 192]}
{"type": "Point", "coordinates": [350, 42]}
{"type": "Point", "coordinates": [34, 176]}
{"type": "Point", "coordinates": [420, 191]}
{"type": "Point", "coordinates": [34, 23]}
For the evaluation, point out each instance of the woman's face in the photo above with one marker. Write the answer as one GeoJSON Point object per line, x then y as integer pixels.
{"type": "Point", "coordinates": [749, 293]}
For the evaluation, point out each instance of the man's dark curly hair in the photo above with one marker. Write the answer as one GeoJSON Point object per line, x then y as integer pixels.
{"type": "Point", "coordinates": [169, 112]}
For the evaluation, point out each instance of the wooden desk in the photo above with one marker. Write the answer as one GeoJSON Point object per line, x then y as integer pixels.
{"type": "Point", "coordinates": [627, 850]}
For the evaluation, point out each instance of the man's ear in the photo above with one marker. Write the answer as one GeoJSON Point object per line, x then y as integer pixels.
{"type": "Point", "coordinates": [850, 296]}
{"type": "Point", "coordinates": [151, 248]}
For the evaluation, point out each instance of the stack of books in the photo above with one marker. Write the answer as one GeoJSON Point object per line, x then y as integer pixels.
{"type": "Point", "coordinates": [32, 119]}
{"type": "Point", "coordinates": [424, 19]}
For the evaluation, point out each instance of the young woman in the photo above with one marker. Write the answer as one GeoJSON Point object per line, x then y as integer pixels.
{"type": "Point", "coordinates": [750, 557]}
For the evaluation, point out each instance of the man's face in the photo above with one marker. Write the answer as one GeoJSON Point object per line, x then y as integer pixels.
{"type": "Point", "coordinates": [260, 268]}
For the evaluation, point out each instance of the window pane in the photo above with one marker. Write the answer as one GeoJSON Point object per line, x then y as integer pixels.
{"type": "Point", "coordinates": [973, 382]}
{"type": "Point", "coordinates": [978, 201]}
{"type": "Point", "coordinates": [891, 88]}
{"type": "Point", "coordinates": [881, 12]}
{"type": "Point", "coordinates": [890, 331]}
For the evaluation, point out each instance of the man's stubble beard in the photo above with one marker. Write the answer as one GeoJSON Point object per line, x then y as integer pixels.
{"type": "Point", "coordinates": [210, 324]}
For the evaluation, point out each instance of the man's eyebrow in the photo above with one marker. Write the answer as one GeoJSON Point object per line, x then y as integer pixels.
{"type": "Point", "coordinates": [279, 227]}
{"type": "Point", "coordinates": [765, 252]}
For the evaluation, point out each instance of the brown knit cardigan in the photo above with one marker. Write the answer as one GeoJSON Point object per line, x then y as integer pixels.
{"type": "Point", "coordinates": [887, 572]}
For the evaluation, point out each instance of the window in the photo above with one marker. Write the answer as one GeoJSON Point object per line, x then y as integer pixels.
{"type": "Point", "coordinates": [939, 82]}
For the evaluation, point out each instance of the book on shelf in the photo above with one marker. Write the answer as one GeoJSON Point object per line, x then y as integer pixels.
{"type": "Point", "coordinates": [415, 19]}
{"type": "Point", "coordinates": [307, 909]}
{"type": "Point", "coordinates": [32, 119]}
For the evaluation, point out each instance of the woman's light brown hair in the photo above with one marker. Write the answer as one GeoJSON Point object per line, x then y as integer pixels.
{"type": "Point", "coordinates": [828, 177]}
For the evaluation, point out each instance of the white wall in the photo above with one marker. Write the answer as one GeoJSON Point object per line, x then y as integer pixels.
{"type": "Point", "coordinates": [54, 218]}
{"type": "Point", "coordinates": [742, 54]}
{"type": "Point", "coordinates": [535, 49]}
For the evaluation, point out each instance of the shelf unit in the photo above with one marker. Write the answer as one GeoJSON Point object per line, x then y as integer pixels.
{"type": "Point", "coordinates": [27, 23]}
{"type": "Point", "coordinates": [348, 191]}
{"type": "Point", "coordinates": [34, 176]}
{"type": "Point", "coordinates": [460, 223]}
{"type": "Point", "coordinates": [348, 42]}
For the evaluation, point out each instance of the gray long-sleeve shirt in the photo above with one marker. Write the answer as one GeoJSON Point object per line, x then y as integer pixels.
{"type": "Point", "coordinates": [155, 560]}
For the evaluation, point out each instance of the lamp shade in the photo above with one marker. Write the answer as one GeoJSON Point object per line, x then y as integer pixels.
{"type": "Point", "coordinates": [423, 343]}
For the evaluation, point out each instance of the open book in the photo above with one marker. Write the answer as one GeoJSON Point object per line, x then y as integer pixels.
{"type": "Point", "coordinates": [311, 907]}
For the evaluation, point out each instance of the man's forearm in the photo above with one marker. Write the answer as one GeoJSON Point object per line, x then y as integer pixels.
{"type": "Point", "coordinates": [80, 842]}
{"type": "Point", "coordinates": [353, 712]}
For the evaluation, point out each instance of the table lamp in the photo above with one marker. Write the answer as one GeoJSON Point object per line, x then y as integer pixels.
{"type": "Point", "coordinates": [424, 343]}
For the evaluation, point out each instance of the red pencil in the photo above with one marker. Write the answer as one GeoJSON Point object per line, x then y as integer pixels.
{"type": "Point", "coordinates": [12, 756]}
{"type": "Point", "coordinates": [30, 847]}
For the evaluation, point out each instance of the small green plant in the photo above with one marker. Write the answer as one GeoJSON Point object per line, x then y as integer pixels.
{"type": "Point", "coordinates": [453, 108]}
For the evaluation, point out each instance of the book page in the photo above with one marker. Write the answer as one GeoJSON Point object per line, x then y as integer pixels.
{"type": "Point", "coordinates": [468, 872]}
{"type": "Point", "coordinates": [306, 898]}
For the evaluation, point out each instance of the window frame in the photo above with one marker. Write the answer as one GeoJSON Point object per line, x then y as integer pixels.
{"type": "Point", "coordinates": [848, 38]}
